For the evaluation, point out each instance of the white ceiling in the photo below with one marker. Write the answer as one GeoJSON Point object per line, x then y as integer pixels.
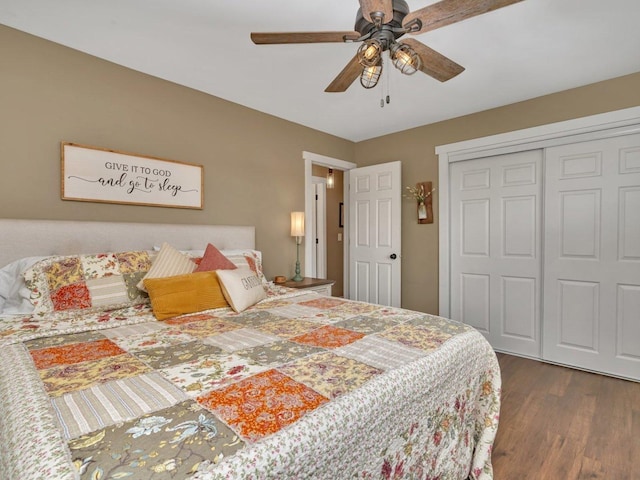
{"type": "Point", "coordinates": [522, 51]}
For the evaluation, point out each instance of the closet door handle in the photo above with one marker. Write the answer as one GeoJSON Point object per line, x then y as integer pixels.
{"type": "Point", "coordinates": [393, 256]}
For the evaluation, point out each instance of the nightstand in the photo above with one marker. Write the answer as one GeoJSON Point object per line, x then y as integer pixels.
{"type": "Point", "coordinates": [320, 285]}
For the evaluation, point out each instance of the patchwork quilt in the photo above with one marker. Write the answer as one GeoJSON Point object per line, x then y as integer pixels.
{"type": "Point", "coordinates": [298, 386]}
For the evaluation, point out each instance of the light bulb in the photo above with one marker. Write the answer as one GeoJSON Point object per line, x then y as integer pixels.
{"type": "Point", "coordinates": [405, 59]}
{"type": "Point", "coordinates": [370, 76]}
{"type": "Point", "coordinates": [369, 53]}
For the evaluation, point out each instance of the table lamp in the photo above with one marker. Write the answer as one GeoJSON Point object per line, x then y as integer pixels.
{"type": "Point", "coordinates": [297, 230]}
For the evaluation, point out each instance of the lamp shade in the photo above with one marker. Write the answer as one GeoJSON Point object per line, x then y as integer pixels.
{"type": "Point", "coordinates": [297, 224]}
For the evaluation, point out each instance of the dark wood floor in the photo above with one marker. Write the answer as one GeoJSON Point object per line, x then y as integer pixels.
{"type": "Point", "coordinates": [558, 423]}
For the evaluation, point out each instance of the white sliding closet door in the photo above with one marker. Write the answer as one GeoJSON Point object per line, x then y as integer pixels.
{"type": "Point", "coordinates": [592, 255]}
{"type": "Point", "coordinates": [495, 248]}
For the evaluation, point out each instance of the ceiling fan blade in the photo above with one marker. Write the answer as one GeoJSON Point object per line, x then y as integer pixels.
{"type": "Point", "coordinates": [447, 12]}
{"type": "Point", "coordinates": [346, 77]}
{"type": "Point", "coordinates": [302, 37]}
{"type": "Point", "coordinates": [433, 63]}
{"type": "Point", "coordinates": [371, 6]}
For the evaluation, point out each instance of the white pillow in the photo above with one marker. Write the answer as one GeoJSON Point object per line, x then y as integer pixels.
{"type": "Point", "coordinates": [190, 253]}
{"type": "Point", "coordinates": [241, 287]}
{"type": "Point", "coordinates": [168, 263]}
{"type": "Point", "coordinates": [14, 294]}
{"type": "Point", "coordinates": [247, 257]}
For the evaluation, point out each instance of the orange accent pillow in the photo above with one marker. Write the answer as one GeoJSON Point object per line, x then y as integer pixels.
{"type": "Point", "coordinates": [180, 294]}
{"type": "Point", "coordinates": [213, 259]}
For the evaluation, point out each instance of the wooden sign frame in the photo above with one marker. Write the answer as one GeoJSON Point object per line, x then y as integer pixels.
{"type": "Point", "coordinates": [92, 174]}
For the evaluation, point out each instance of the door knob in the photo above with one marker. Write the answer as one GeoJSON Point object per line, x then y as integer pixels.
{"type": "Point", "coordinates": [393, 256]}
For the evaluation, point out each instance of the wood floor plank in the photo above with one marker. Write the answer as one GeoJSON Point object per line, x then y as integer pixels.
{"type": "Point", "coordinates": [591, 469]}
{"type": "Point", "coordinates": [565, 424]}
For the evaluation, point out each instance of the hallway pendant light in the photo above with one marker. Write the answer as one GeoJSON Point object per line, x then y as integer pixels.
{"type": "Point", "coordinates": [330, 179]}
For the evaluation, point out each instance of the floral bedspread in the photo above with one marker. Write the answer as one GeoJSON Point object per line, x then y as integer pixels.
{"type": "Point", "coordinates": [299, 386]}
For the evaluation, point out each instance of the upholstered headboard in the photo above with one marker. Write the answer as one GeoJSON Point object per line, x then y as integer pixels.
{"type": "Point", "coordinates": [26, 238]}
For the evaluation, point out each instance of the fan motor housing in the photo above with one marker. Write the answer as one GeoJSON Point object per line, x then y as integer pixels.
{"type": "Point", "coordinates": [400, 10]}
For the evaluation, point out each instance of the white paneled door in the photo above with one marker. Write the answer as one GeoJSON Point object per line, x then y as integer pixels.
{"type": "Point", "coordinates": [592, 255]}
{"type": "Point", "coordinates": [375, 194]}
{"type": "Point", "coordinates": [495, 248]}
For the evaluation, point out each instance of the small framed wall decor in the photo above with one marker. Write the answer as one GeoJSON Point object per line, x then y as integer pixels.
{"type": "Point", "coordinates": [425, 204]}
{"type": "Point", "coordinates": [92, 174]}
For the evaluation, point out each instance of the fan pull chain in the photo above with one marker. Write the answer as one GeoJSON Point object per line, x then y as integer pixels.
{"type": "Point", "coordinates": [388, 87]}
{"type": "Point", "coordinates": [384, 81]}
{"type": "Point", "coordinates": [382, 86]}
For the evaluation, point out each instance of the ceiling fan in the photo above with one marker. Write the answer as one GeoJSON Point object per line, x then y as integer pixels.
{"type": "Point", "coordinates": [379, 24]}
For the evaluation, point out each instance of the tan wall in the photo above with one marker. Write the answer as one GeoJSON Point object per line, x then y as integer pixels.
{"type": "Point", "coordinates": [416, 149]}
{"type": "Point", "coordinates": [253, 167]}
{"type": "Point", "coordinates": [254, 172]}
{"type": "Point", "coordinates": [335, 248]}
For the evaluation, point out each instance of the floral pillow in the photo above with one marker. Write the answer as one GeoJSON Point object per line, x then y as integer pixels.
{"type": "Point", "coordinates": [247, 258]}
{"type": "Point", "coordinates": [87, 281]}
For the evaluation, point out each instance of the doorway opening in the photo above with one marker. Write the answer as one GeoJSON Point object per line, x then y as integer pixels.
{"type": "Point", "coordinates": [318, 221]}
{"type": "Point", "coordinates": [327, 243]}
{"type": "Point", "coordinates": [335, 224]}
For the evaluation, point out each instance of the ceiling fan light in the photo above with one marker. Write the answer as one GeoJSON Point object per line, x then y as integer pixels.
{"type": "Point", "coordinates": [370, 76]}
{"type": "Point", "coordinates": [405, 59]}
{"type": "Point", "coordinates": [369, 53]}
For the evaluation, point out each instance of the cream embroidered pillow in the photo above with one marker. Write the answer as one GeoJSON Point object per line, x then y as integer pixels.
{"type": "Point", "coordinates": [168, 263]}
{"type": "Point", "coordinates": [241, 287]}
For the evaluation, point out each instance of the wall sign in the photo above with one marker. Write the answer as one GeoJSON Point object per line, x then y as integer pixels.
{"type": "Point", "coordinates": [91, 174]}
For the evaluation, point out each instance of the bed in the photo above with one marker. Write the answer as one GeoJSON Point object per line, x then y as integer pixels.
{"type": "Point", "coordinates": [285, 384]}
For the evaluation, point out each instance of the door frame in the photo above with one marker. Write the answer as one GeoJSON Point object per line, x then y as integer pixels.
{"type": "Point", "coordinates": [337, 164]}
{"type": "Point", "coordinates": [319, 187]}
{"type": "Point", "coordinates": [594, 127]}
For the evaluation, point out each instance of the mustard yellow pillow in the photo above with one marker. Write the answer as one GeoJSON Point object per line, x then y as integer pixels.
{"type": "Point", "coordinates": [188, 293]}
